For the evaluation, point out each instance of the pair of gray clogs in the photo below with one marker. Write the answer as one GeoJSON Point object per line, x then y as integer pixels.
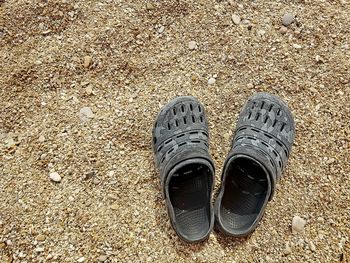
{"type": "Point", "coordinates": [260, 149]}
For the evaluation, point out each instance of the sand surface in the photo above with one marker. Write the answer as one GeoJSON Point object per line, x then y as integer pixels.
{"type": "Point", "coordinates": [123, 60]}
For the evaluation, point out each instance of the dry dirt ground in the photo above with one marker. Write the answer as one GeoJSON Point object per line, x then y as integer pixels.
{"type": "Point", "coordinates": [124, 59]}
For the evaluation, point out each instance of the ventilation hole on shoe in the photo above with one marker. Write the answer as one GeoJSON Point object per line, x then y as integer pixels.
{"type": "Point", "coordinates": [271, 106]}
{"type": "Point", "coordinates": [264, 143]}
{"type": "Point", "coordinates": [262, 104]}
{"type": "Point", "coordinates": [253, 129]}
{"type": "Point", "coordinates": [185, 121]}
{"type": "Point", "coordinates": [183, 143]}
{"type": "Point", "coordinates": [279, 112]}
{"type": "Point", "coordinates": [199, 108]}
{"type": "Point", "coordinates": [206, 144]}
{"type": "Point", "coordinates": [163, 159]}
{"type": "Point", "coordinates": [196, 141]}
{"type": "Point", "coordinates": [206, 134]}
{"type": "Point", "coordinates": [253, 105]}
{"type": "Point", "coordinates": [174, 111]}
{"type": "Point", "coordinates": [280, 144]}
{"type": "Point", "coordinates": [272, 163]}
{"type": "Point", "coordinates": [266, 118]}
{"type": "Point", "coordinates": [275, 153]}
{"type": "Point", "coordinates": [280, 164]}
{"type": "Point", "coordinates": [168, 141]}
{"type": "Point", "coordinates": [201, 118]}
{"type": "Point", "coordinates": [268, 135]}
{"type": "Point", "coordinates": [251, 138]}
{"type": "Point", "coordinates": [285, 152]}
{"type": "Point", "coordinates": [241, 129]}
{"type": "Point", "coordinates": [182, 108]}
{"type": "Point", "coordinates": [171, 150]}
{"type": "Point", "coordinates": [191, 107]}
{"type": "Point", "coordinates": [160, 148]}
{"type": "Point", "coordinates": [274, 123]}
{"type": "Point", "coordinates": [193, 119]}
{"type": "Point", "coordinates": [250, 115]}
{"type": "Point", "coordinates": [176, 123]}
{"type": "Point", "coordinates": [156, 124]}
{"type": "Point", "coordinates": [180, 135]}
{"type": "Point", "coordinates": [168, 126]}
{"type": "Point", "coordinates": [283, 126]}
{"type": "Point", "coordinates": [154, 140]}
{"type": "Point", "coordinates": [193, 132]}
{"type": "Point", "coordinates": [257, 116]}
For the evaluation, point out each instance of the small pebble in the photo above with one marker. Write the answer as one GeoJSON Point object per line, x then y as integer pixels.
{"type": "Point", "coordinates": [261, 32]}
{"type": "Point", "coordinates": [297, 46]}
{"type": "Point", "coordinates": [41, 138]}
{"type": "Point", "coordinates": [287, 250]}
{"type": "Point", "coordinates": [283, 30]}
{"type": "Point", "coordinates": [86, 113]}
{"type": "Point", "coordinates": [115, 207]}
{"type": "Point", "coordinates": [192, 45]}
{"type": "Point", "coordinates": [88, 90]}
{"type": "Point", "coordinates": [39, 249]}
{"type": "Point", "coordinates": [87, 61]}
{"type": "Point", "coordinates": [211, 81]}
{"type": "Point", "coordinates": [149, 6]}
{"type": "Point", "coordinates": [320, 220]}
{"type": "Point", "coordinates": [330, 160]}
{"type": "Point", "coordinates": [161, 29]}
{"type": "Point", "coordinates": [55, 177]}
{"type": "Point", "coordinates": [312, 246]}
{"type": "Point", "coordinates": [319, 59]}
{"type": "Point", "coordinates": [298, 224]}
{"type": "Point", "coordinates": [40, 238]}
{"type": "Point", "coordinates": [288, 19]}
{"type": "Point", "coordinates": [312, 89]}
{"type": "Point", "coordinates": [10, 143]}
{"type": "Point", "coordinates": [236, 19]}
{"type": "Point", "coordinates": [81, 259]}
{"type": "Point", "coordinates": [102, 258]}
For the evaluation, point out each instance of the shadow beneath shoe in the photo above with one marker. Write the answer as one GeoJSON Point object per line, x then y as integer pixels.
{"type": "Point", "coordinates": [227, 242]}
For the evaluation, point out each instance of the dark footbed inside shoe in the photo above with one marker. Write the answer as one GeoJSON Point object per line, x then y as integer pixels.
{"type": "Point", "coordinates": [245, 192]}
{"type": "Point", "coordinates": [189, 192]}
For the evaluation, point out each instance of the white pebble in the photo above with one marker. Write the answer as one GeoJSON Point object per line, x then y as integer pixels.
{"type": "Point", "coordinates": [236, 19]}
{"type": "Point", "coordinates": [39, 249]}
{"type": "Point", "coordinates": [211, 81]}
{"type": "Point", "coordinates": [192, 45]}
{"type": "Point", "coordinates": [81, 259]}
{"type": "Point", "coordinates": [89, 90]}
{"type": "Point", "coordinates": [161, 29]}
{"type": "Point", "coordinates": [86, 113]}
{"type": "Point", "coordinates": [41, 138]}
{"type": "Point", "coordinates": [298, 224]}
{"type": "Point", "coordinates": [297, 46]}
{"type": "Point", "coordinates": [288, 19]}
{"type": "Point", "coordinates": [287, 250]}
{"type": "Point", "coordinates": [261, 32]}
{"type": "Point", "coordinates": [312, 246]}
{"type": "Point", "coordinates": [55, 177]}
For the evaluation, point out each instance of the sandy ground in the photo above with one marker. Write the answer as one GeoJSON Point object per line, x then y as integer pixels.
{"type": "Point", "coordinates": [124, 59]}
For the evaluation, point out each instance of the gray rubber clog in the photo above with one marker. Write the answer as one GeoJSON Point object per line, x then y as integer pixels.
{"type": "Point", "coordinates": [259, 153]}
{"type": "Point", "coordinates": [181, 150]}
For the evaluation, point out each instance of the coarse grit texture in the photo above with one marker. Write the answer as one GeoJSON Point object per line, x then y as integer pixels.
{"type": "Point", "coordinates": [81, 83]}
